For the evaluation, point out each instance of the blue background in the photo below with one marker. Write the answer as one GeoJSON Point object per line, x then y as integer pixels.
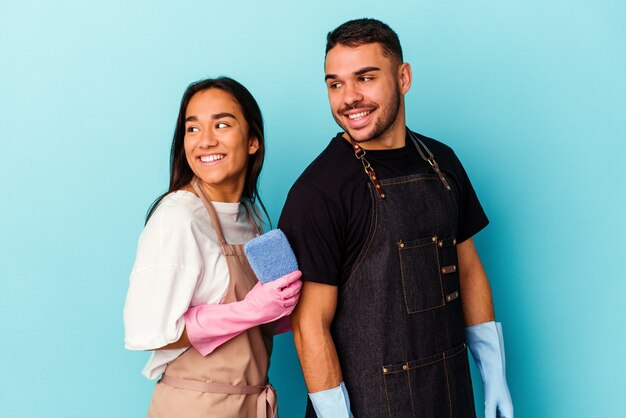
{"type": "Point", "coordinates": [531, 95]}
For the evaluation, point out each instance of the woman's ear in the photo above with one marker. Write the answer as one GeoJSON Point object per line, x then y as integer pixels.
{"type": "Point", "coordinates": [253, 145]}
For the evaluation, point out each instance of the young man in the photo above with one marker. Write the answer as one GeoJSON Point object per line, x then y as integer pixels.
{"type": "Point", "coordinates": [394, 289]}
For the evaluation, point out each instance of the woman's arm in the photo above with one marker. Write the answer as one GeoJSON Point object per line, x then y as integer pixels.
{"type": "Point", "coordinates": [168, 265]}
{"type": "Point", "coordinates": [182, 342]}
{"type": "Point", "coordinates": [210, 325]}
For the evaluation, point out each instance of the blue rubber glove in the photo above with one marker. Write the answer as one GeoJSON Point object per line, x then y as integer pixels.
{"type": "Point", "coordinates": [332, 403]}
{"type": "Point", "coordinates": [487, 346]}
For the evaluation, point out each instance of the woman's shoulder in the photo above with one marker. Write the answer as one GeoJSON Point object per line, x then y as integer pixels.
{"type": "Point", "coordinates": [175, 224]}
{"type": "Point", "coordinates": [180, 204]}
{"type": "Point", "coordinates": [177, 209]}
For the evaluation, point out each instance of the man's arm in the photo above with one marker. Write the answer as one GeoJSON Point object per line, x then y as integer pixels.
{"type": "Point", "coordinates": [320, 365]}
{"type": "Point", "coordinates": [475, 289]}
{"type": "Point", "coordinates": [311, 332]}
{"type": "Point", "coordinates": [484, 336]}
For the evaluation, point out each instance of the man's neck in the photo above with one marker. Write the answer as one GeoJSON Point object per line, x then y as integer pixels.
{"type": "Point", "coordinates": [392, 138]}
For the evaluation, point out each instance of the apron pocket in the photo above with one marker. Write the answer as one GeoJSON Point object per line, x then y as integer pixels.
{"type": "Point", "coordinates": [420, 271]}
{"type": "Point", "coordinates": [432, 387]}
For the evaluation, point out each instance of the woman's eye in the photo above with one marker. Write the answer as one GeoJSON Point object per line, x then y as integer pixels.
{"type": "Point", "coordinates": [221, 125]}
{"type": "Point", "coordinates": [192, 129]}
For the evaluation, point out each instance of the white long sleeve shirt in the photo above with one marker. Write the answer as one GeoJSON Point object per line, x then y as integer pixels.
{"type": "Point", "coordinates": [179, 264]}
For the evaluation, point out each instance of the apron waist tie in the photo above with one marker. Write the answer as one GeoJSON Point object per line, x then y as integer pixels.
{"type": "Point", "coordinates": [266, 402]}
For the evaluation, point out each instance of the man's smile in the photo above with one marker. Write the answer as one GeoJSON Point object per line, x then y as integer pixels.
{"type": "Point", "coordinates": [356, 116]}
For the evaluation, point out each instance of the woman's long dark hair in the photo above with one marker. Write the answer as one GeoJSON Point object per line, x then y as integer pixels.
{"type": "Point", "coordinates": [180, 172]}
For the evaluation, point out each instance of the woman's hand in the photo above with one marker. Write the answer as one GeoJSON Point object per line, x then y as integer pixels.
{"type": "Point", "coordinates": [275, 299]}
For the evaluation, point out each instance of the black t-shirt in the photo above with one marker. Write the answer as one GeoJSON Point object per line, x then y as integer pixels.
{"type": "Point", "coordinates": [328, 211]}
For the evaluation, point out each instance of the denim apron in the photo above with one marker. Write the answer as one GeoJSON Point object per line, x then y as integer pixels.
{"type": "Point", "coordinates": [232, 381]}
{"type": "Point", "coordinates": [398, 327]}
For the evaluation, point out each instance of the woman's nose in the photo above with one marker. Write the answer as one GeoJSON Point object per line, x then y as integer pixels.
{"type": "Point", "coordinates": [208, 139]}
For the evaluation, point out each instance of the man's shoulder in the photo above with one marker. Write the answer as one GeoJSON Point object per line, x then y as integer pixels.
{"type": "Point", "coordinates": [437, 147]}
{"type": "Point", "coordinates": [329, 169]}
{"type": "Point", "coordinates": [443, 154]}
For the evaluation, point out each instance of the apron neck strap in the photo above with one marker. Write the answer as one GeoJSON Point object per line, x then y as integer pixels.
{"type": "Point", "coordinates": [430, 158]}
{"type": "Point", "coordinates": [215, 220]}
{"type": "Point", "coordinates": [425, 153]}
{"type": "Point", "coordinates": [359, 153]}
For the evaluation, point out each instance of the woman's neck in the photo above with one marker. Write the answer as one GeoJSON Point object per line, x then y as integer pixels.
{"type": "Point", "coordinates": [222, 193]}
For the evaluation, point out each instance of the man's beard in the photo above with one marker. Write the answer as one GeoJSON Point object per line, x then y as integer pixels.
{"type": "Point", "coordinates": [384, 122]}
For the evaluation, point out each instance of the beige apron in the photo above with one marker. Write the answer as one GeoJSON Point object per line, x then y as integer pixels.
{"type": "Point", "coordinates": [231, 382]}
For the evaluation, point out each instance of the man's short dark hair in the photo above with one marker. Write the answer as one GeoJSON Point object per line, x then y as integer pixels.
{"type": "Point", "coordinates": [365, 31]}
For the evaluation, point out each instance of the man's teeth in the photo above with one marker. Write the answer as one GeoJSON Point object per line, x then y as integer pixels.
{"type": "Point", "coordinates": [359, 115]}
{"type": "Point", "coordinates": [211, 158]}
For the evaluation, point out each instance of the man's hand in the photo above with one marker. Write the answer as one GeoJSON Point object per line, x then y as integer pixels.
{"type": "Point", "coordinates": [487, 346]}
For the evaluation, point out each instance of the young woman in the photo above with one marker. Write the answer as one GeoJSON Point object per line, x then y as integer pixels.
{"type": "Point", "coordinates": [193, 297]}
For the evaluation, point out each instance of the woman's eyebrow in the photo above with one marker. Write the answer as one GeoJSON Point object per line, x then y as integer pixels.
{"type": "Point", "coordinates": [194, 118]}
{"type": "Point", "coordinates": [223, 115]}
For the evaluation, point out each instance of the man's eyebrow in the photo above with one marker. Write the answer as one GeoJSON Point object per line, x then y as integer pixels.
{"type": "Point", "coordinates": [360, 71]}
{"type": "Point", "coordinates": [366, 70]}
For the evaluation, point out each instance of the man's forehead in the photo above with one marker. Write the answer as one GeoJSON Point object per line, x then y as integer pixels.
{"type": "Point", "coordinates": [344, 58]}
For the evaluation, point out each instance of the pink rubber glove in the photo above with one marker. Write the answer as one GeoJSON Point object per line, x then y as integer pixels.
{"type": "Point", "coordinates": [283, 325]}
{"type": "Point", "coordinates": [211, 325]}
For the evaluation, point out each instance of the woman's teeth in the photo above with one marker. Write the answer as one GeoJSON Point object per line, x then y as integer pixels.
{"type": "Point", "coordinates": [211, 158]}
{"type": "Point", "coordinates": [359, 115]}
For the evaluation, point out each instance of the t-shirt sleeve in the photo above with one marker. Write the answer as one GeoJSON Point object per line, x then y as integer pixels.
{"type": "Point", "coordinates": [472, 217]}
{"type": "Point", "coordinates": [162, 283]}
{"type": "Point", "coordinates": [310, 222]}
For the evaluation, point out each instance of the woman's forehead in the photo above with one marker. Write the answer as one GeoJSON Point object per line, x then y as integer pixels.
{"type": "Point", "coordinates": [211, 102]}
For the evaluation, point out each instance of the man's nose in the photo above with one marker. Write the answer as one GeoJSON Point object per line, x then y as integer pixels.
{"type": "Point", "coordinates": [352, 94]}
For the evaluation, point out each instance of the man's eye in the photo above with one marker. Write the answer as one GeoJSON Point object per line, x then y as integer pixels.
{"type": "Point", "coordinates": [366, 78]}
{"type": "Point", "coordinates": [221, 125]}
{"type": "Point", "coordinates": [334, 85]}
{"type": "Point", "coordinates": [192, 129]}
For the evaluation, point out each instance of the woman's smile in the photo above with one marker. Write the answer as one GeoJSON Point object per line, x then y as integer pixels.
{"type": "Point", "coordinates": [212, 158]}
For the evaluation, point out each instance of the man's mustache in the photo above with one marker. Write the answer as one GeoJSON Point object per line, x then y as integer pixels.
{"type": "Point", "coordinates": [357, 105]}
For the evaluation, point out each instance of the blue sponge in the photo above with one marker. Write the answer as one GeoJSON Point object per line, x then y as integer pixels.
{"type": "Point", "coordinates": [270, 256]}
